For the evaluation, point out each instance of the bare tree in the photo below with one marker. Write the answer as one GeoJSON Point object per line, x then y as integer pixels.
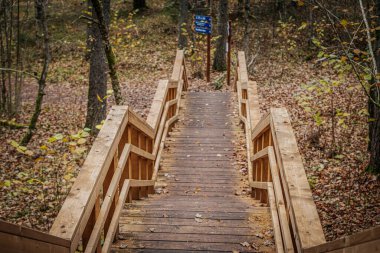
{"type": "Point", "coordinates": [110, 55]}
{"type": "Point", "coordinates": [97, 89]}
{"type": "Point", "coordinates": [220, 54]}
{"type": "Point", "coordinates": [182, 23]}
{"type": "Point", "coordinates": [10, 58]}
{"type": "Point", "coordinates": [40, 6]}
{"type": "Point", "coordinates": [374, 101]}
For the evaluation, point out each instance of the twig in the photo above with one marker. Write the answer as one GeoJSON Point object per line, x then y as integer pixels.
{"type": "Point", "coordinates": [20, 71]}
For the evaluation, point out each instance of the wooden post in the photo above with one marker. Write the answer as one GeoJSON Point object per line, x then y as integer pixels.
{"type": "Point", "coordinates": [208, 57]}
{"type": "Point", "coordinates": [229, 54]}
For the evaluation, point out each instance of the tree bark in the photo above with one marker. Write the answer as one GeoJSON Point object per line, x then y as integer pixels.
{"type": "Point", "coordinates": [139, 4]}
{"type": "Point", "coordinates": [42, 25]}
{"type": "Point", "coordinates": [374, 110]}
{"type": "Point", "coordinates": [220, 54]}
{"type": "Point", "coordinates": [110, 55]}
{"type": "Point", "coordinates": [97, 109]}
{"type": "Point", "coordinates": [182, 23]}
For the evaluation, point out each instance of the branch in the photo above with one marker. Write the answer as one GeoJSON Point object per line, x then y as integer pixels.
{"type": "Point", "coordinates": [20, 71]}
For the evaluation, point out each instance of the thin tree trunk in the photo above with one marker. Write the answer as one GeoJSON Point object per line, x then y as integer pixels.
{"type": "Point", "coordinates": [220, 54]}
{"type": "Point", "coordinates": [111, 58]}
{"type": "Point", "coordinates": [182, 23]}
{"type": "Point", "coordinates": [373, 109]}
{"type": "Point", "coordinates": [139, 4]}
{"type": "Point", "coordinates": [97, 108]}
{"type": "Point", "coordinates": [42, 24]}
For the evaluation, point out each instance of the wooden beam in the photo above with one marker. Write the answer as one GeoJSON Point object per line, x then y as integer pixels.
{"type": "Point", "coordinates": [18, 239]}
{"type": "Point", "coordinates": [259, 185]}
{"type": "Point", "coordinates": [81, 199]}
{"type": "Point", "coordinates": [158, 105]}
{"type": "Point", "coordinates": [140, 124]}
{"type": "Point", "coordinates": [275, 220]}
{"type": "Point", "coordinates": [254, 104]}
{"type": "Point", "coordinates": [115, 219]}
{"type": "Point", "coordinates": [280, 204]}
{"type": "Point", "coordinates": [243, 77]}
{"type": "Point", "coordinates": [365, 241]}
{"type": "Point", "coordinates": [141, 183]}
{"type": "Point", "coordinates": [260, 127]}
{"type": "Point", "coordinates": [107, 201]}
{"type": "Point", "coordinates": [142, 153]}
{"type": "Point", "coordinates": [175, 77]}
{"type": "Point", "coordinates": [261, 154]}
{"type": "Point", "coordinates": [303, 212]}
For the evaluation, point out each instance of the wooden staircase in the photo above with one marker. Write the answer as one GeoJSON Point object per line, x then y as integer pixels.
{"type": "Point", "coordinates": [198, 208]}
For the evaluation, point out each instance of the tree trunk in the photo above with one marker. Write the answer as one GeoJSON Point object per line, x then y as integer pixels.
{"type": "Point", "coordinates": [182, 23]}
{"type": "Point", "coordinates": [220, 54]}
{"type": "Point", "coordinates": [374, 110]}
{"type": "Point", "coordinates": [240, 7]}
{"type": "Point", "coordinates": [139, 4]}
{"type": "Point", "coordinates": [97, 108]}
{"type": "Point", "coordinates": [42, 25]}
{"type": "Point", "coordinates": [110, 55]}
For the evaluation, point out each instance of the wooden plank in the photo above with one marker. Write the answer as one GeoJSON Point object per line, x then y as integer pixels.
{"type": "Point", "coordinates": [261, 154]}
{"type": "Point", "coordinates": [107, 201]}
{"type": "Point", "coordinates": [115, 219]}
{"type": "Point", "coordinates": [261, 126]}
{"type": "Point", "coordinates": [142, 153]}
{"type": "Point", "coordinates": [11, 243]}
{"type": "Point", "coordinates": [158, 105]}
{"type": "Point", "coordinates": [362, 240]}
{"type": "Point", "coordinates": [175, 77]}
{"type": "Point", "coordinates": [81, 199]}
{"type": "Point", "coordinates": [25, 232]}
{"type": "Point", "coordinates": [243, 77]}
{"type": "Point", "coordinates": [140, 124]}
{"type": "Point", "coordinates": [254, 104]}
{"type": "Point", "coordinates": [303, 213]}
{"type": "Point", "coordinates": [141, 183]}
{"type": "Point", "coordinates": [275, 220]}
{"type": "Point", "coordinates": [162, 145]}
{"type": "Point", "coordinates": [259, 185]}
{"type": "Point", "coordinates": [279, 201]}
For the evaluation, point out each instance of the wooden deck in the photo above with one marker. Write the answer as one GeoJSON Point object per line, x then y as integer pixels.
{"type": "Point", "coordinates": [198, 208]}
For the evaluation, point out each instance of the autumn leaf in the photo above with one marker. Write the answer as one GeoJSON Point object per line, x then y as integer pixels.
{"type": "Point", "coordinates": [344, 22]}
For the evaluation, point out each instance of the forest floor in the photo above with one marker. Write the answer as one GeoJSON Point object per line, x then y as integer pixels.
{"type": "Point", "coordinates": [35, 181]}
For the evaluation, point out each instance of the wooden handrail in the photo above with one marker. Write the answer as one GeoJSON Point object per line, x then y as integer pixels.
{"type": "Point", "coordinates": [16, 238]}
{"type": "Point", "coordinates": [365, 241]}
{"type": "Point", "coordinates": [274, 159]}
{"type": "Point", "coordinates": [122, 165]}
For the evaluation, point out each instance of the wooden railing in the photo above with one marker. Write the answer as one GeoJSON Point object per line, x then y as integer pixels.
{"type": "Point", "coordinates": [275, 170]}
{"type": "Point", "coordinates": [362, 242]}
{"type": "Point", "coordinates": [121, 166]}
{"type": "Point", "coordinates": [18, 239]}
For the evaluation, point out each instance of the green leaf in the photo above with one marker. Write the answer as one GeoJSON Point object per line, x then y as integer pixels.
{"type": "Point", "coordinates": [14, 144]}
{"type": "Point", "coordinates": [86, 129]}
{"type": "Point", "coordinates": [99, 126]}
{"type": "Point", "coordinates": [7, 183]}
{"type": "Point", "coordinates": [22, 148]}
{"type": "Point", "coordinates": [344, 22]}
{"type": "Point", "coordinates": [84, 134]}
{"type": "Point", "coordinates": [58, 136]}
{"type": "Point", "coordinates": [81, 141]}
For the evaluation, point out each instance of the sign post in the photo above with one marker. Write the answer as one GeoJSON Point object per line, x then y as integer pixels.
{"type": "Point", "coordinates": [229, 53]}
{"type": "Point", "coordinates": [203, 25]}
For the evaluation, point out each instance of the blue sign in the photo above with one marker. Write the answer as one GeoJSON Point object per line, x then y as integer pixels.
{"type": "Point", "coordinates": [203, 18]}
{"type": "Point", "coordinates": [202, 24]}
{"type": "Point", "coordinates": [202, 30]}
